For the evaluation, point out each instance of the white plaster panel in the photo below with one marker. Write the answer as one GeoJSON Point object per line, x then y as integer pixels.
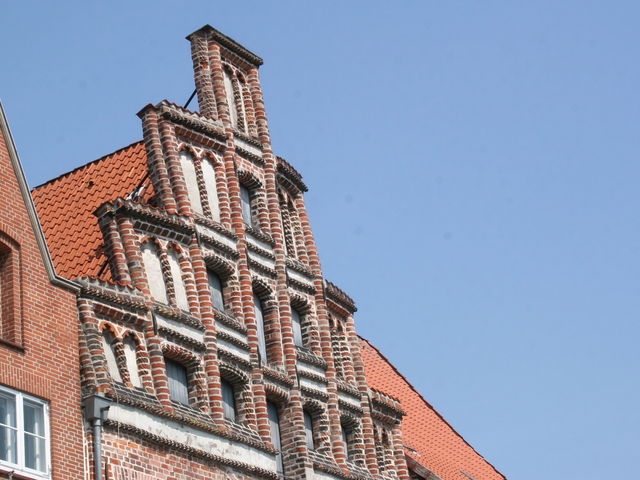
{"type": "Point", "coordinates": [209, 232]}
{"type": "Point", "coordinates": [180, 328]}
{"type": "Point", "coordinates": [259, 243]}
{"type": "Point", "coordinates": [209, 175]}
{"type": "Point", "coordinates": [313, 384]}
{"type": "Point", "coordinates": [307, 367]}
{"type": "Point", "coordinates": [267, 262]}
{"type": "Point", "coordinates": [178, 283]}
{"type": "Point", "coordinates": [191, 180]}
{"type": "Point", "coordinates": [153, 269]}
{"type": "Point", "coordinates": [222, 327]}
{"type": "Point", "coordinates": [345, 397]}
{"type": "Point", "coordinates": [248, 147]}
{"type": "Point", "coordinates": [186, 435]}
{"type": "Point", "coordinates": [232, 348]}
{"type": "Point", "coordinates": [299, 277]}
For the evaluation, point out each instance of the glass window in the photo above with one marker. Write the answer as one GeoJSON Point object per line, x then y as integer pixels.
{"type": "Point", "coordinates": [296, 322]}
{"type": "Point", "coordinates": [308, 430]}
{"type": "Point", "coordinates": [259, 314]}
{"type": "Point", "coordinates": [24, 432]}
{"type": "Point", "coordinates": [274, 424]}
{"type": "Point", "coordinates": [345, 440]}
{"type": "Point", "coordinates": [215, 287]}
{"type": "Point", "coordinates": [178, 381]}
{"type": "Point", "coordinates": [245, 199]}
{"type": "Point", "coordinates": [228, 401]}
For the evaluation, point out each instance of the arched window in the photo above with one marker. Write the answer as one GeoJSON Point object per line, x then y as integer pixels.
{"type": "Point", "coordinates": [153, 269]}
{"type": "Point", "coordinates": [228, 401]}
{"type": "Point", "coordinates": [259, 315]}
{"type": "Point", "coordinates": [108, 344]}
{"type": "Point", "coordinates": [132, 361]}
{"type": "Point", "coordinates": [296, 323]}
{"type": "Point", "coordinates": [191, 179]}
{"type": "Point", "coordinates": [231, 101]}
{"type": "Point", "coordinates": [178, 282]}
{"type": "Point", "coordinates": [215, 287]}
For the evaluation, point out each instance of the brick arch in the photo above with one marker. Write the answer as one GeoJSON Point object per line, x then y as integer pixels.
{"type": "Point", "coordinates": [233, 375]}
{"type": "Point", "coordinates": [249, 179]}
{"type": "Point", "coordinates": [195, 372]}
{"type": "Point", "coordinates": [264, 291]}
{"type": "Point", "coordinates": [276, 394]}
{"type": "Point", "coordinates": [223, 268]}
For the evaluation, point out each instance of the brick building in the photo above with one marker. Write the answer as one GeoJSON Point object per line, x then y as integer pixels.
{"type": "Point", "coordinates": [207, 326]}
{"type": "Point", "coordinates": [40, 422]}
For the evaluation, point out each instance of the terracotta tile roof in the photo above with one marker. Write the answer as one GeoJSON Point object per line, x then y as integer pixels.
{"type": "Point", "coordinates": [66, 207]}
{"type": "Point", "coordinates": [437, 446]}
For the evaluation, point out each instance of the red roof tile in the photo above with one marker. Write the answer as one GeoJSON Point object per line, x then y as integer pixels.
{"type": "Point", "coordinates": [437, 446]}
{"type": "Point", "coordinates": [66, 207]}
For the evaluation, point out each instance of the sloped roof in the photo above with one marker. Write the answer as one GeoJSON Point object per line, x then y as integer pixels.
{"type": "Point", "coordinates": [66, 207]}
{"type": "Point", "coordinates": [435, 444]}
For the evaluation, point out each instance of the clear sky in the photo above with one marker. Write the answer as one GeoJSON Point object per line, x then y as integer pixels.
{"type": "Point", "coordinates": [473, 170]}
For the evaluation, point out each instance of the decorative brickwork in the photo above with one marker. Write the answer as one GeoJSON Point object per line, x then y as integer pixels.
{"type": "Point", "coordinates": [201, 262]}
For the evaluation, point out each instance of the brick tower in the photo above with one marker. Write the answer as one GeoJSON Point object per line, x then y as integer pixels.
{"type": "Point", "coordinates": [207, 327]}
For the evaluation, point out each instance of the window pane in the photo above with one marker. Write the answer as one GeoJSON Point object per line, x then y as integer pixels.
{"type": "Point", "coordinates": [262, 344]}
{"type": "Point", "coordinates": [345, 440]}
{"type": "Point", "coordinates": [308, 430]}
{"type": "Point", "coordinates": [34, 452]}
{"type": "Point", "coordinates": [215, 287]}
{"type": "Point", "coordinates": [8, 443]}
{"type": "Point", "coordinates": [33, 418]}
{"type": "Point", "coordinates": [297, 328]}
{"type": "Point", "coordinates": [274, 424]}
{"type": "Point", "coordinates": [178, 383]}
{"type": "Point", "coordinates": [228, 401]}
{"type": "Point", "coordinates": [7, 409]}
{"type": "Point", "coordinates": [245, 197]}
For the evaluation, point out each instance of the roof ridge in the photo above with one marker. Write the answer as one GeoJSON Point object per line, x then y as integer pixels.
{"type": "Point", "coordinates": [429, 405]}
{"type": "Point", "coordinates": [62, 175]}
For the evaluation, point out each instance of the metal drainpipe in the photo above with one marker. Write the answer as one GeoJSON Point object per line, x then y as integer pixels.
{"type": "Point", "coordinates": [95, 412]}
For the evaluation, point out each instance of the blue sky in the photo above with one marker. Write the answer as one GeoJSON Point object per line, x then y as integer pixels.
{"type": "Point", "coordinates": [473, 170]}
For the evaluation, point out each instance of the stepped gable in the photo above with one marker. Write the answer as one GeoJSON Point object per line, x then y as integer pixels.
{"type": "Point", "coordinates": [431, 441]}
{"type": "Point", "coordinates": [66, 207]}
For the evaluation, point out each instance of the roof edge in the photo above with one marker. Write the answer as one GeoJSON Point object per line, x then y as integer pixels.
{"type": "Point", "coordinates": [31, 209]}
{"type": "Point", "coordinates": [229, 43]}
{"type": "Point", "coordinates": [430, 406]}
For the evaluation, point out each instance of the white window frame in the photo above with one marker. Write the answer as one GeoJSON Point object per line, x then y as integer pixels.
{"type": "Point", "coordinates": [20, 465]}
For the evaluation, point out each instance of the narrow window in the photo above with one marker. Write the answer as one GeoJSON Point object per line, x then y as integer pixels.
{"type": "Point", "coordinates": [178, 382]}
{"type": "Point", "coordinates": [215, 287]}
{"type": "Point", "coordinates": [231, 101]}
{"type": "Point", "coordinates": [178, 283]}
{"type": "Point", "coordinates": [245, 198]}
{"type": "Point", "coordinates": [308, 430]}
{"type": "Point", "coordinates": [209, 175]}
{"type": "Point", "coordinates": [108, 342]}
{"type": "Point", "coordinates": [259, 314]}
{"type": "Point", "coordinates": [228, 401]}
{"type": "Point", "coordinates": [24, 432]}
{"type": "Point", "coordinates": [274, 424]}
{"type": "Point", "coordinates": [130, 348]}
{"type": "Point", "coordinates": [153, 269]}
{"type": "Point", "coordinates": [297, 328]}
{"type": "Point", "coordinates": [191, 180]}
{"type": "Point", "coordinates": [346, 433]}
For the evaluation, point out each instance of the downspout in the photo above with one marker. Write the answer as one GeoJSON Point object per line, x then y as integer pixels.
{"type": "Point", "coordinates": [95, 412]}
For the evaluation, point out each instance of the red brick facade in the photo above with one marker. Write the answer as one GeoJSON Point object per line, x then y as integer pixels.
{"type": "Point", "coordinates": [38, 335]}
{"type": "Point", "coordinates": [205, 317]}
